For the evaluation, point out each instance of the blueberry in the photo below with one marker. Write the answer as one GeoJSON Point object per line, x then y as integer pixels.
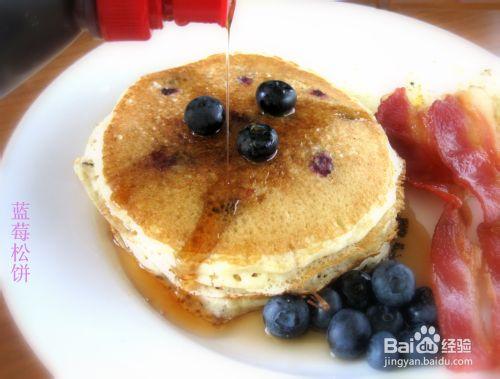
{"type": "Point", "coordinates": [204, 115]}
{"type": "Point", "coordinates": [384, 318]}
{"type": "Point", "coordinates": [276, 98]}
{"type": "Point", "coordinates": [258, 142]}
{"type": "Point", "coordinates": [286, 316]}
{"type": "Point", "coordinates": [393, 283]}
{"type": "Point", "coordinates": [169, 91]}
{"type": "Point", "coordinates": [376, 354]}
{"type": "Point", "coordinates": [321, 164]}
{"type": "Point", "coordinates": [422, 308]}
{"type": "Point", "coordinates": [348, 333]}
{"type": "Point", "coordinates": [320, 317]}
{"type": "Point", "coordinates": [355, 288]}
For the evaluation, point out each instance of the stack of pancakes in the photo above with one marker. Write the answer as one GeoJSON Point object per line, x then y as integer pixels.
{"type": "Point", "coordinates": [227, 233]}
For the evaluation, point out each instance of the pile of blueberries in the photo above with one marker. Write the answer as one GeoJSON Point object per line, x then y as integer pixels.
{"type": "Point", "coordinates": [358, 312]}
{"type": "Point", "coordinates": [257, 142]}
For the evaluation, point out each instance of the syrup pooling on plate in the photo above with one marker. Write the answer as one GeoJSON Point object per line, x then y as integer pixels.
{"type": "Point", "coordinates": [415, 248]}
{"type": "Point", "coordinates": [160, 295]}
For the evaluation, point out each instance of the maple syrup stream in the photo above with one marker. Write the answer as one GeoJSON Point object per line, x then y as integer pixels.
{"type": "Point", "coordinates": [221, 201]}
{"type": "Point", "coordinates": [228, 110]}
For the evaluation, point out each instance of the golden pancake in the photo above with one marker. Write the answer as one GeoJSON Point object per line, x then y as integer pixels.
{"type": "Point", "coordinates": [192, 209]}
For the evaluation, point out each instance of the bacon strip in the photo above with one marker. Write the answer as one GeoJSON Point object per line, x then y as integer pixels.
{"type": "Point", "coordinates": [489, 239]}
{"type": "Point", "coordinates": [466, 147]}
{"type": "Point", "coordinates": [455, 268]}
{"type": "Point", "coordinates": [441, 190]}
{"type": "Point", "coordinates": [466, 143]}
{"type": "Point", "coordinates": [453, 145]}
{"type": "Point", "coordinates": [408, 134]}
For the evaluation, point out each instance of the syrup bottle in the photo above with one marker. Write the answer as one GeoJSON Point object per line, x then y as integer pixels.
{"type": "Point", "coordinates": [33, 31]}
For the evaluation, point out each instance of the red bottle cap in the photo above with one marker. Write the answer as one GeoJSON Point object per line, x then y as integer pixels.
{"type": "Point", "coordinates": [212, 11]}
{"type": "Point", "coordinates": [155, 14]}
{"type": "Point", "coordinates": [134, 19]}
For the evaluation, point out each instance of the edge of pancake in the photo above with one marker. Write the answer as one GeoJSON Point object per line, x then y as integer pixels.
{"type": "Point", "coordinates": [160, 258]}
{"type": "Point", "coordinates": [215, 309]}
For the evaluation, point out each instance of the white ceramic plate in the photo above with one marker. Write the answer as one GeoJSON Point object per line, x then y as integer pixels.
{"type": "Point", "coordinates": [78, 311]}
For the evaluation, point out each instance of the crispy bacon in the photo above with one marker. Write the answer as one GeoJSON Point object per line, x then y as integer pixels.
{"type": "Point", "coordinates": [480, 112]}
{"type": "Point", "coordinates": [453, 145]}
{"type": "Point", "coordinates": [466, 145]}
{"type": "Point", "coordinates": [405, 127]}
{"type": "Point", "coordinates": [456, 266]}
{"type": "Point", "coordinates": [441, 190]}
{"type": "Point", "coordinates": [463, 129]}
{"type": "Point", "coordinates": [489, 239]}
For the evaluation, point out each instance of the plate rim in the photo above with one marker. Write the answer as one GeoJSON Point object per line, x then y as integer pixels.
{"type": "Point", "coordinates": [17, 133]}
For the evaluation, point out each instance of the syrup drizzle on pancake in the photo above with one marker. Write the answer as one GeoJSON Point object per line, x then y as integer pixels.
{"type": "Point", "coordinates": [228, 108]}
{"type": "Point", "coordinates": [242, 183]}
{"type": "Point", "coordinates": [219, 206]}
{"type": "Point", "coordinates": [231, 185]}
{"type": "Point", "coordinates": [237, 184]}
{"type": "Point", "coordinates": [229, 191]}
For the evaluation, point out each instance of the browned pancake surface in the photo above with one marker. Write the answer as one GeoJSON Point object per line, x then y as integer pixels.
{"type": "Point", "coordinates": [180, 189]}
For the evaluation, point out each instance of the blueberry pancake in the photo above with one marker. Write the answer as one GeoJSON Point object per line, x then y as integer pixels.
{"type": "Point", "coordinates": [227, 232]}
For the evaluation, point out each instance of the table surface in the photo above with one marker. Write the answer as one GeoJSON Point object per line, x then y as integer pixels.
{"type": "Point", "coordinates": [480, 24]}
